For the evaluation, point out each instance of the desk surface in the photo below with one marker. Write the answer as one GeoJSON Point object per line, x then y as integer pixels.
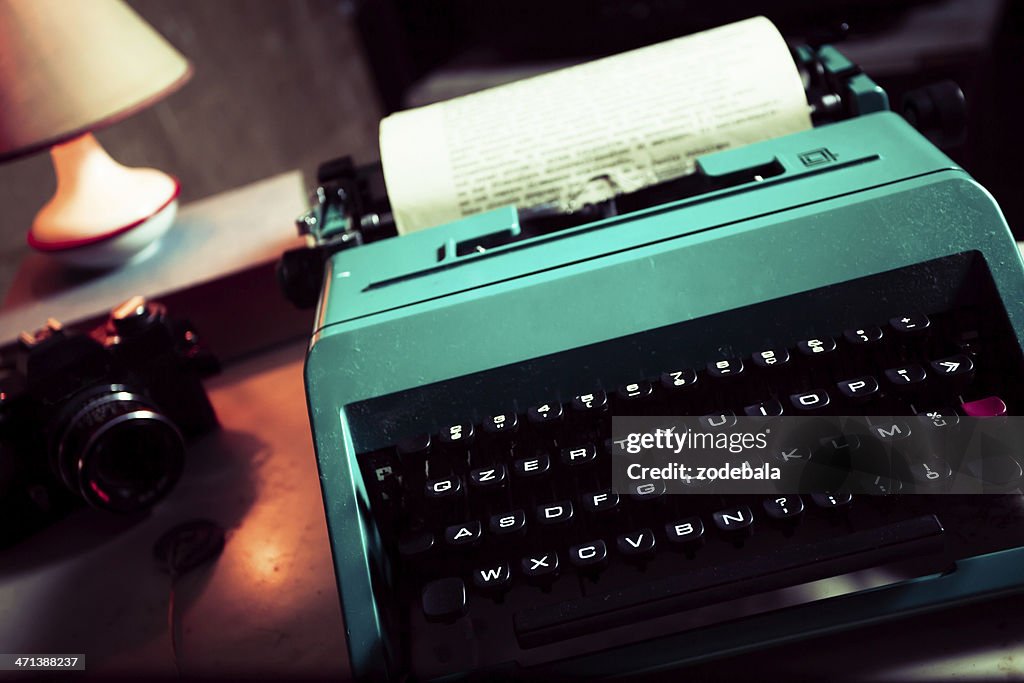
{"type": "Point", "coordinates": [269, 604]}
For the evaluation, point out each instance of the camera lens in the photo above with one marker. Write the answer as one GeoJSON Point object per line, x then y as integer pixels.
{"type": "Point", "coordinates": [117, 450]}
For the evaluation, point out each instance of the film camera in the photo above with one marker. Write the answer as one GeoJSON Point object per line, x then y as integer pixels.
{"type": "Point", "coordinates": [98, 417]}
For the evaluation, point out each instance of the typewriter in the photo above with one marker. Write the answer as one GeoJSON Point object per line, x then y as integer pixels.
{"type": "Point", "coordinates": [462, 383]}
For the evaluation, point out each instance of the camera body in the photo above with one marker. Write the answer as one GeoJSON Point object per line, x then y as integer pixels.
{"type": "Point", "coordinates": [98, 418]}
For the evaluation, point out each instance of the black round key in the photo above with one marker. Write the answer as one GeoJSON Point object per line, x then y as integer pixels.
{"type": "Point", "coordinates": [891, 430]}
{"type": "Point", "coordinates": [508, 523]}
{"type": "Point", "coordinates": [414, 445]}
{"type": "Point", "coordinates": [636, 543]}
{"type": "Point", "coordinates": [722, 420]}
{"type": "Point", "coordinates": [676, 380]}
{"type": "Point", "coordinates": [502, 423]}
{"type": "Point", "coordinates": [488, 478]}
{"type": "Point", "coordinates": [769, 408]}
{"type": "Point", "coordinates": [647, 491]}
{"type": "Point", "coordinates": [792, 455]}
{"type": "Point", "coordinates": [413, 454]}
{"type": "Point", "coordinates": [738, 518]}
{"type": "Point", "coordinates": [555, 513]}
{"type": "Point", "coordinates": [463, 534]}
{"type": "Point", "coordinates": [818, 347]}
{"type": "Point", "coordinates": [931, 472]}
{"type": "Point", "coordinates": [828, 501]}
{"type": "Point", "coordinates": [444, 599]}
{"type": "Point", "coordinates": [685, 531]}
{"type": "Point", "coordinates": [879, 485]}
{"type": "Point", "coordinates": [579, 455]}
{"type": "Point", "coordinates": [590, 555]}
{"type": "Point", "coordinates": [535, 466]}
{"type": "Point", "coordinates": [840, 442]}
{"type": "Point", "coordinates": [449, 487]}
{"type": "Point", "coordinates": [457, 434]}
{"type": "Point", "coordinates": [615, 447]}
{"type": "Point", "coordinates": [727, 367]}
{"type": "Point", "coordinates": [942, 418]}
{"type": "Point", "coordinates": [861, 336]}
{"type": "Point", "coordinates": [809, 400]}
{"type": "Point", "coordinates": [957, 366]}
{"type": "Point", "coordinates": [496, 577]}
{"type": "Point", "coordinates": [910, 324]}
{"type": "Point", "coordinates": [545, 413]}
{"type": "Point", "coordinates": [859, 389]}
{"type": "Point", "coordinates": [593, 402]}
{"type": "Point", "coordinates": [540, 566]}
{"type": "Point", "coordinates": [600, 501]}
{"type": "Point", "coordinates": [772, 358]}
{"type": "Point", "coordinates": [909, 376]}
{"type": "Point", "coordinates": [783, 507]}
{"type": "Point", "coordinates": [415, 544]}
{"type": "Point", "coordinates": [634, 392]}
{"type": "Point", "coordinates": [996, 470]}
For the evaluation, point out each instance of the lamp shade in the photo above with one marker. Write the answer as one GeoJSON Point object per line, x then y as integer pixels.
{"type": "Point", "coordinates": [70, 66]}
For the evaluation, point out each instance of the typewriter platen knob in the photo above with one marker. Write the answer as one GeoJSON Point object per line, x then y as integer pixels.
{"type": "Point", "coordinates": [938, 111]}
{"type": "Point", "coordinates": [300, 274]}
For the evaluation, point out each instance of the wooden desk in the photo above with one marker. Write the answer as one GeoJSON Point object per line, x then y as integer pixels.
{"type": "Point", "coordinates": [267, 606]}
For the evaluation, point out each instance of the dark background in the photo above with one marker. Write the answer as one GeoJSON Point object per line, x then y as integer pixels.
{"type": "Point", "coordinates": [420, 52]}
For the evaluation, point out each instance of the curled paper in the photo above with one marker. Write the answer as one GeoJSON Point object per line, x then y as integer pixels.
{"type": "Point", "coordinates": [586, 133]}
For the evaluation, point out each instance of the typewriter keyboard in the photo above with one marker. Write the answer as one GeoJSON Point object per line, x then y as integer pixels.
{"type": "Point", "coordinates": [509, 518]}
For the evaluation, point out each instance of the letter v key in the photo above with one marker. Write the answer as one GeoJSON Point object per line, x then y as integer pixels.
{"type": "Point", "coordinates": [636, 544]}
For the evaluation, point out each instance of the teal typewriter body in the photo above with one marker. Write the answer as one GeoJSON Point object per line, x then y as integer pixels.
{"type": "Point", "coordinates": [842, 227]}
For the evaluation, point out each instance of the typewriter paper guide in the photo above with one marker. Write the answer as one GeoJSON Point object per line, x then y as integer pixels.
{"type": "Point", "coordinates": [586, 133]}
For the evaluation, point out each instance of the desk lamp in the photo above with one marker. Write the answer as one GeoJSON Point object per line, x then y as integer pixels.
{"type": "Point", "coordinates": [66, 69]}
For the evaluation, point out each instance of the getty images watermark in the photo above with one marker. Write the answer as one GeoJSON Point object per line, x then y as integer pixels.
{"type": "Point", "coordinates": [697, 444]}
{"type": "Point", "coordinates": [724, 454]}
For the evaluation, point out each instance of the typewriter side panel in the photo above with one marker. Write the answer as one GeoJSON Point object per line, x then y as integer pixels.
{"type": "Point", "coordinates": [493, 324]}
{"type": "Point", "coordinates": [353, 536]}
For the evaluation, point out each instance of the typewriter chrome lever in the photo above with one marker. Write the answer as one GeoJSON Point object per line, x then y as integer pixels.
{"type": "Point", "coordinates": [346, 211]}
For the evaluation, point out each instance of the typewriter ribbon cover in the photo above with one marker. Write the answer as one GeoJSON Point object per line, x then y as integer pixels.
{"type": "Point", "coordinates": [583, 134]}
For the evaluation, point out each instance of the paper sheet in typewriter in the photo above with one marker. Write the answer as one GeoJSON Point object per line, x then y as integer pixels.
{"type": "Point", "coordinates": [588, 132]}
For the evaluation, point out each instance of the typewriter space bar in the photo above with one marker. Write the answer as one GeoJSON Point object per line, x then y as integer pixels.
{"type": "Point", "coordinates": [787, 566]}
